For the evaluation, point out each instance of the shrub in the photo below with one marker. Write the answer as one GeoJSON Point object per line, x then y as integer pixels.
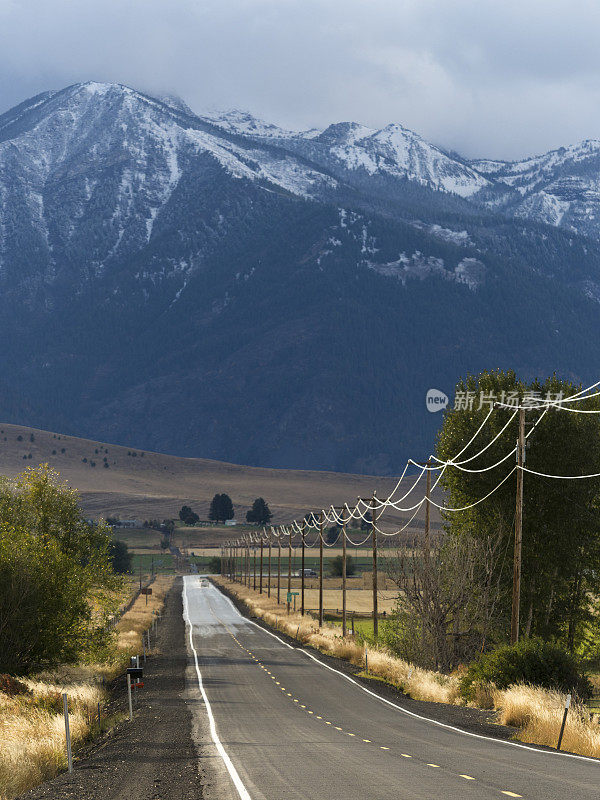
{"type": "Point", "coordinates": [336, 565]}
{"type": "Point", "coordinates": [531, 661]}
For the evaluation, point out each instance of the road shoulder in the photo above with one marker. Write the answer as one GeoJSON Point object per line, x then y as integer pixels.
{"type": "Point", "coordinates": [153, 757]}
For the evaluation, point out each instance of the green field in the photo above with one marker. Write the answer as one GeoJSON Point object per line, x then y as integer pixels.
{"type": "Point", "coordinates": [162, 563]}
{"type": "Point", "coordinates": [362, 625]}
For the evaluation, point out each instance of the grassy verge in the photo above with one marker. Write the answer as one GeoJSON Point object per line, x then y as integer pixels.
{"type": "Point", "coordinates": [537, 713]}
{"type": "Point", "coordinates": [31, 719]}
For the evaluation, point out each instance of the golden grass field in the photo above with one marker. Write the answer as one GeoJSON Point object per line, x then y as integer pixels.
{"type": "Point", "coordinates": [537, 713]}
{"type": "Point", "coordinates": [32, 732]}
{"type": "Point", "coordinates": [153, 485]}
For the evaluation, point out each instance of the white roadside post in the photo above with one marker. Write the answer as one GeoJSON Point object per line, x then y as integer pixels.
{"type": "Point", "coordinates": [67, 732]}
{"type": "Point", "coordinates": [129, 696]}
{"type": "Point", "coordinates": [564, 721]}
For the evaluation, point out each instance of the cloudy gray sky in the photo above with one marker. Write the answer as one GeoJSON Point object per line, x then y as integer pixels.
{"type": "Point", "coordinates": [498, 78]}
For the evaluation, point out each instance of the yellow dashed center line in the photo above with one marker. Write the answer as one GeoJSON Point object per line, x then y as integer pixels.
{"type": "Point", "coordinates": [511, 794]}
{"type": "Point", "coordinates": [338, 728]}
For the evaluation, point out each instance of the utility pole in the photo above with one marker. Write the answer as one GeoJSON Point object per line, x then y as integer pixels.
{"type": "Point", "coordinates": [248, 561]}
{"type": "Point", "coordinates": [269, 575]}
{"type": "Point", "coordinates": [279, 567]}
{"type": "Point", "coordinates": [289, 588]}
{"type": "Point", "coordinates": [302, 575]}
{"type": "Point", "coordinates": [321, 570]}
{"type": "Point", "coordinates": [374, 530]}
{"type": "Point", "coordinates": [516, 596]}
{"type": "Point", "coordinates": [262, 536]}
{"type": "Point", "coordinates": [344, 631]}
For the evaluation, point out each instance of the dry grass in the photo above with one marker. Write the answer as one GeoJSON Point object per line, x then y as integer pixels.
{"type": "Point", "coordinates": [537, 713]}
{"type": "Point", "coordinates": [156, 485]}
{"type": "Point", "coordinates": [32, 728]}
{"type": "Point", "coordinates": [139, 618]}
{"type": "Point", "coordinates": [359, 600]}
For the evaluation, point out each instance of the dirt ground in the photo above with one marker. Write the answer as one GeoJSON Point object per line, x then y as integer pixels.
{"type": "Point", "coordinates": [153, 757]}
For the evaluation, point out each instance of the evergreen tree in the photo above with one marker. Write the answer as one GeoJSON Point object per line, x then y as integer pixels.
{"type": "Point", "coordinates": [120, 557]}
{"type": "Point", "coordinates": [221, 508]}
{"type": "Point", "coordinates": [188, 516]}
{"type": "Point", "coordinates": [259, 513]}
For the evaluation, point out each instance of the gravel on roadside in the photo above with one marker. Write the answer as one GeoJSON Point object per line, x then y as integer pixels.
{"type": "Point", "coordinates": [153, 757]}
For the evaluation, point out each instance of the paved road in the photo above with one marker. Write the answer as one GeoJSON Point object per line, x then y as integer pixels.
{"type": "Point", "coordinates": [290, 728]}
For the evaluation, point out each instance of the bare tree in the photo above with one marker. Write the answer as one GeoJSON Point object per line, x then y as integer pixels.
{"type": "Point", "coordinates": [448, 597]}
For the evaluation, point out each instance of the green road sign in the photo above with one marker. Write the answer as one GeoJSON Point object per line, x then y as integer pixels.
{"type": "Point", "coordinates": [290, 595]}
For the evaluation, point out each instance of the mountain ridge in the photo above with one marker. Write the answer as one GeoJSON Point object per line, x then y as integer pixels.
{"type": "Point", "coordinates": [200, 290]}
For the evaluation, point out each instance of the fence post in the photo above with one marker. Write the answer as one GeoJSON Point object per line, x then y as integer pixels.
{"type": "Point", "coordinates": [129, 696]}
{"type": "Point", "coordinates": [564, 721]}
{"type": "Point", "coordinates": [366, 660]}
{"type": "Point", "coordinates": [67, 731]}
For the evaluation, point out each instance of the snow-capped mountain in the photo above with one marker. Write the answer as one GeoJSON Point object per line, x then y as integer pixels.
{"type": "Point", "coordinates": [560, 188]}
{"type": "Point", "coordinates": [216, 285]}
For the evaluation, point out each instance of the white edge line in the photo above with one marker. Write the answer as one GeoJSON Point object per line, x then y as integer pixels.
{"type": "Point", "coordinates": [405, 710]}
{"type": "Point", "coordinates": [237, 781]}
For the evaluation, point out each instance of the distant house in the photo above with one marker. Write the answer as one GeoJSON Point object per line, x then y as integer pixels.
{"type": "Point", "coordinates": [230, 522]}
{"type": "Point", "coordinates": [129, 523]}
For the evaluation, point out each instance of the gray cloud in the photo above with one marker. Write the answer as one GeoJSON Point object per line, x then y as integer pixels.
{"type": "Point", "coordinates": [485, 78]}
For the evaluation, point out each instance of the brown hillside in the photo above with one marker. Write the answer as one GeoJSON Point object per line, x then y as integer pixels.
{"type": "Point", "coordinates": [151, 485]}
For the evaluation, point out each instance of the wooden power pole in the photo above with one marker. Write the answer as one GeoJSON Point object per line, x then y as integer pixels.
{"type": "Point", "coordinates": [302, 570]}
{"type": "Point", "coordinates": [279, 567]}
{"type": "Point", "coordinates": [321, 571]}
{"type": "Point", "coordinates": [374, 538]}
{"type": "Point", "coordinates": [269, 568]}
{"type": "Point", "coordinates": [516, 596]}
{"type": "Point", "coordinates": [344, 575]}
{"type": "Point", "coordinates": [289, 582]}
{"type": "Point", "coordinates": [262, 536]}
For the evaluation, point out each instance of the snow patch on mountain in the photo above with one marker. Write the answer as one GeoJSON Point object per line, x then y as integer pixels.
{"type": "Point", "coordinates": [469, 271]}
